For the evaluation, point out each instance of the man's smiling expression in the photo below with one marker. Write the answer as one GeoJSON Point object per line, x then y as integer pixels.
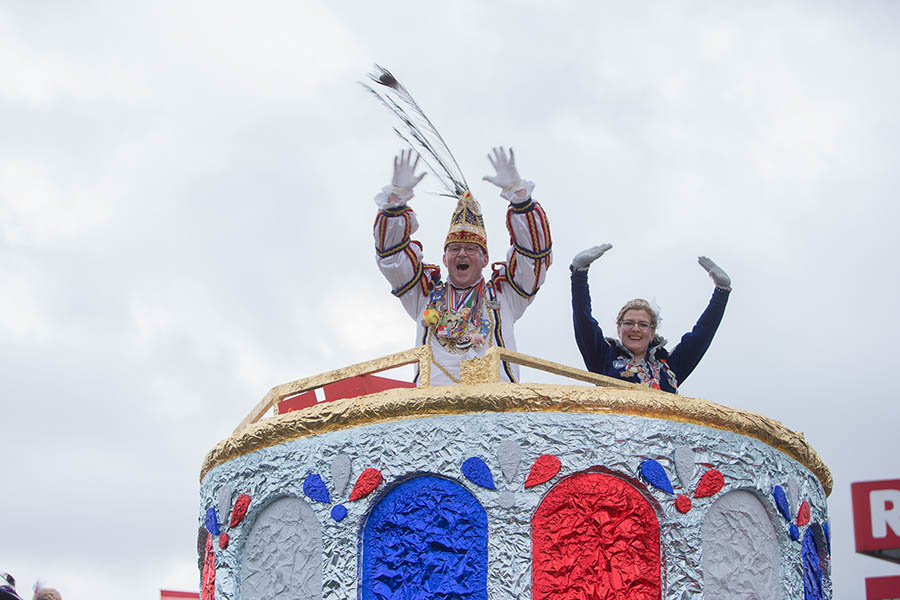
{"type": "Point", "coordinates": [465, 262]}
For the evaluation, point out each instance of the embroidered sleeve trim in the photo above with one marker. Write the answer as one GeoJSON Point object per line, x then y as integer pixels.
{"type": "Point", "coordinates": [395, 212]}
{"type": "Point", "coordinates": [524, 207]}
{"type": "Point", "coordinates": [518, 289]}
{"type": "Point", "coordinates": [532, 254]}
{"type": "Point", "coordinates": [393, 250]}
{"type": "Point", "coordinates": [411, 283]}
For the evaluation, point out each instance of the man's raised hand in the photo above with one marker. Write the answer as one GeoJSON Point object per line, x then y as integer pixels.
{"type": "Point", "coordinates": [507, 176]}
{"type": "Point", "coordinates": [405, 178]}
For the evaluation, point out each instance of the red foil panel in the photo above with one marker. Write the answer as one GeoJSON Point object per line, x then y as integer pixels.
{"type": "Point", "coordinates": [594, 536]}
{"type": "Point", "coordinates": [208, 577]}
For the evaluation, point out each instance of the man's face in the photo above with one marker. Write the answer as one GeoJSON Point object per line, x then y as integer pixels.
{"type": "Point", "coordinates": [464, 262]}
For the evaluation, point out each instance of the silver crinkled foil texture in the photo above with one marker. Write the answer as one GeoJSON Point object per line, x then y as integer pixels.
{"type": "Point", "coordinates": [612, 443]}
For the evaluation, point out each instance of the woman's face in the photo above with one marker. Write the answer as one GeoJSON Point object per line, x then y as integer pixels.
{"type": "Point", "coordinates": [635, 330]}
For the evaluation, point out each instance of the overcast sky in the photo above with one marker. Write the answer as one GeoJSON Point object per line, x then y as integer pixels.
{"type": "Point", "coordinates": [186, 202]}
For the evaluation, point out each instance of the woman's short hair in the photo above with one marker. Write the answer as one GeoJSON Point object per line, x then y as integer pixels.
{"type": "Point", "coordinates": [639, 304]}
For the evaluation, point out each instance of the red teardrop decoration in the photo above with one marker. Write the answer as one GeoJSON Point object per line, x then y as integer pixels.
{"type": "Point", "coordinates": [368, 480]}
{"type": "Point", "coordinates": [803, 514]}
{"type": "Point", "coordinates": [711, 482]}
{"type": "Point", "coordinates": [544, 469]}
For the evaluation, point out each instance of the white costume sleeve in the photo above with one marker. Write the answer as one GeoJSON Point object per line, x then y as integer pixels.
{"type": "Point", "coordinates": [400, 259]}
{"type": "Point", "coordinates": [528, 257]}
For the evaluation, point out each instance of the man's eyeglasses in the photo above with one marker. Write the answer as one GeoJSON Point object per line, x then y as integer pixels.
{"type": "Point", "coordinates": [469, 250]}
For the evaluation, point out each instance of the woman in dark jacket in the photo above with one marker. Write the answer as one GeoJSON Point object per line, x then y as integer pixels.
{"type": "Point", "coordinates": [639, 355]}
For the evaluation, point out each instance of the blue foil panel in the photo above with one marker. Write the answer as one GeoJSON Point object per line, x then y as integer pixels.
{"type": "Point", "coordinates": [794, 532]}
{"type": "Point", "coordinates": [426, 539]}
{"type": "Point", "coordinates": [477, 472]}
{"type": "Point", "coordinates": [812, 570]}
{"type": "Point", "coordinates": [827, 529]}
{"type": "Point", "coordinates": [315, 489]}
{"type": "Point", "coordinates": [654, 473]}
{"type": "Point", "coordinates": [212, 521]}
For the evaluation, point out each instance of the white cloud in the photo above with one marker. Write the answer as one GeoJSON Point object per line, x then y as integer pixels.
{"type": "Point", "coordinates": [185, 204]}
{"type": "Point", "coordinates": [40, 203]}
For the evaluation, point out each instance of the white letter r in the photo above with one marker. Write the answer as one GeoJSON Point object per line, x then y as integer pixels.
{"type": "Point", "coordinates": [882, 516]}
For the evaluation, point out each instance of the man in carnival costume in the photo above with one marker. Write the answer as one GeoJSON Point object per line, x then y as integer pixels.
{"type": "Point", "coordinates": [463, 317]}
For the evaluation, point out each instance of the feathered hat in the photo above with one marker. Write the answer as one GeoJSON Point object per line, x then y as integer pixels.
{"type": "Point", "coordinates": [467, 222]}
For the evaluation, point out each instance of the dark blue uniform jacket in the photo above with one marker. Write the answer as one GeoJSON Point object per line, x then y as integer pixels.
{"type": "Point", "coordinates": [608, 357]}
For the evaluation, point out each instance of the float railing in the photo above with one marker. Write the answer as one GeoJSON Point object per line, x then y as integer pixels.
{"type": "Point", "coordinates": [475, 371]}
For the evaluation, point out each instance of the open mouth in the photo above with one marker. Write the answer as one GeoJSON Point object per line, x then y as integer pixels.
{"type": "Point", "coordinates": [462, 266]}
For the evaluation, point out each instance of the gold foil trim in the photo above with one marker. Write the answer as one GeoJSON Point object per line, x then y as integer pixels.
{"type": "Point", "coordinates": [480, 370]}
{"type": "Point", "coordinates": [411, 403]}
{"type": "Point", "coordinates": [498, 354]}
{"type": "Point", "coordinates": [419, 354]}
{"type": "Point", "coordinates": [483, 370]}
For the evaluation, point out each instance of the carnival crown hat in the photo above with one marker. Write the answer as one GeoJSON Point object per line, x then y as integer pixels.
{"type": "Point", "coordinates": [467, 222]}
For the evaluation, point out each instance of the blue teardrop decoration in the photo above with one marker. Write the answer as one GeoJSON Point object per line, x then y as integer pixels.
{"type": "Point", "coordinates": [478, 473]}
{"type": "Point", "coordinates": [212, 521]}
{"type": "Point", "coordinates": [654, 473]}
{"type": "Point", "coordinates": [795, 532]}
{"type": "Point", "coordinates": [781, 502]}
{"type": "Point", "coordinates": [314, 487]}
{"type": "Point", "coordinates": [338, 512]}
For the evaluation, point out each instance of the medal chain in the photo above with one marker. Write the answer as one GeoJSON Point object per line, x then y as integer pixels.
{"type": "Point", "coordinates": [434, 360]}
{"type": "Point", "coordinates": [463, 303]}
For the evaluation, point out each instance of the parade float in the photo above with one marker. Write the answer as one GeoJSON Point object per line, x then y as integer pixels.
{"type": "Point", "coordinates": [348, 485]}
{"type": "Point", "coordinates": [599, 489]}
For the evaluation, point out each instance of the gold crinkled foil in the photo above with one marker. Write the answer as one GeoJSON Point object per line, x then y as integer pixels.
{"type": "Point", "coordinates": [411, 403]}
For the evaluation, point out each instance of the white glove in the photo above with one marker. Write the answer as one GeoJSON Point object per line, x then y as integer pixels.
{"type": "Point", "coordinates": [507, 175]}
{"type": "Point", "coordinates": [402, 183]}
{"type": "Point", "coordinates": [405, 178]}
{"type": "Point", "coordinates": [719, 277]}
{"type": "Point", "coordinates": [511, 185]}
{"type": "Point", "coordinates": [583, 259]}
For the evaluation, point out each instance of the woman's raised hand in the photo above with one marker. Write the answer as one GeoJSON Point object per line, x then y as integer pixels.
{"type": "Point", "coordinates": [719, 276]}
{"type": "Point", "coordinates": [583, 259]}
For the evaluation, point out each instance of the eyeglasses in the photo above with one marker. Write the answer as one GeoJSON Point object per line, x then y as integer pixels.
{"type": "Point", "coordinates": [642, 325]}
{"type": "Point", "coordinates": [469, 250]}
